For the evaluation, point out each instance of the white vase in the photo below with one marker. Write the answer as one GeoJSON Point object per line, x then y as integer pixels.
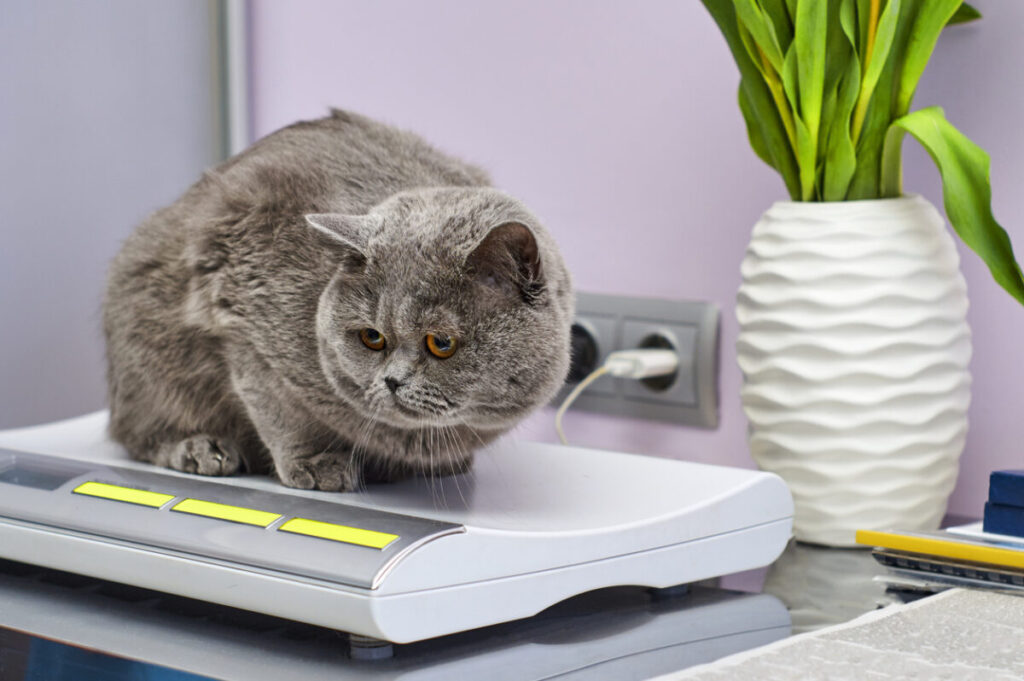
{"type": "Point", "coordinates": [854, 348]}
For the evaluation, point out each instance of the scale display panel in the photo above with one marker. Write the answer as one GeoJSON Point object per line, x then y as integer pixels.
{"type": "Point", "coordinates": [347, 545]}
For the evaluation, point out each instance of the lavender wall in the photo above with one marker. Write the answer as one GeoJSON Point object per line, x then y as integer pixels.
{"type": "Point", "coordinates": [107, 112]}
{"type": "Point", "coordinates": [617, 123]}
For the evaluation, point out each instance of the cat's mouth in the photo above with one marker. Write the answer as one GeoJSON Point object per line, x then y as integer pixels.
{"type": "Point", "coordinates": [417, 410]}
{"type": "Point", "coordinates": [408, 411]}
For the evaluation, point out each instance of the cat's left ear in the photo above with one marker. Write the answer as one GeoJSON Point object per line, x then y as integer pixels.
{"type": "Point", "coordinates": [508, 260]}
{"type": "Point", "coordinates": [347, 232]}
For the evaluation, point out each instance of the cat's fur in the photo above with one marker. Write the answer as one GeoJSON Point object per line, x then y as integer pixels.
{"type": "Point", "coordinates": [232, 316]}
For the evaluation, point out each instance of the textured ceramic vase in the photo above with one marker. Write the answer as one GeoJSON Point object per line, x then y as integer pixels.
{"type": "Point", "coordinates": [854, 348]}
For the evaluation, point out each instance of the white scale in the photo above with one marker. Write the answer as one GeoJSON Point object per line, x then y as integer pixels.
{"type": "Point", "coordinates": [532, 525]}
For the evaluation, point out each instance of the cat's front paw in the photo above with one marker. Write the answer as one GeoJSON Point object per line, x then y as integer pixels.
{"type": "Point", "coordinates": [201, 454]}
{"type": "Point", "coordinates": [328, 471]}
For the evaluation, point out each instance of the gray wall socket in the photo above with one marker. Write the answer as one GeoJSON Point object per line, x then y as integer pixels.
{"type": "Point", "coordinates": [620, 323]}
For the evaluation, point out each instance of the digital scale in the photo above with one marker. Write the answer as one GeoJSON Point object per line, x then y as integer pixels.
{"type": "Point", "coordinates": [530, 526]}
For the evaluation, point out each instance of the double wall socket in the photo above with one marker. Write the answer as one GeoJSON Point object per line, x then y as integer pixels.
{"type": "Point", "coordinates": [689, 397]}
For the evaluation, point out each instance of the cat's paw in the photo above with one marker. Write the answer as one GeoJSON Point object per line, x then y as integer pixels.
{"type": "Point", "coordinates": [328, 471]}
{"type": "Point", "coordinates": [202, 455]}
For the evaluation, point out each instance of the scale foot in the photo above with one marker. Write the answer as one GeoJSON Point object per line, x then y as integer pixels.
{"type": "Point", "coordinates": [368, 648]}
{"type": "Point", "coordinates": [669, 592]}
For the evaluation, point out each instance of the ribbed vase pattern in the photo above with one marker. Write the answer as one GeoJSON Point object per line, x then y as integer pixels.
{"type": "Point", "coordinates": [854, 347]}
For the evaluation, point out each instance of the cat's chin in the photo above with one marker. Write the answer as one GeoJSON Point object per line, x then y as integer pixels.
{"type": "Point", "coordinates": [489, 419]}
{"type": "Point", "coordinates": [405, 418]}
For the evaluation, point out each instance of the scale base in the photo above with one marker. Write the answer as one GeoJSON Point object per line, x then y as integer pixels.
{"type": "Point", "coordinates": [530, 526]}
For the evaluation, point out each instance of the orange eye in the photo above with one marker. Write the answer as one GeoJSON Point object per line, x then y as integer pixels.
{"type": "Point", "coordinates": [372, 338]}
{"type": "Point", "coordinates": [440, 345]}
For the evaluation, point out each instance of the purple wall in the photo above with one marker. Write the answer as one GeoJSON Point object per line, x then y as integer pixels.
{"type": "Point", "coordinates": [106, 113]}
{"type": "Point", "coordinates": [617, 123]}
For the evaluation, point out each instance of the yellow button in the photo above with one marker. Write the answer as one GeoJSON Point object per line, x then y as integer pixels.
{"type": "Point", "coordinates": [236, 514]}
{"type": "Point", "coordinates": [342, 533]}
{"type": "Point", "coordinates": [127, 494]}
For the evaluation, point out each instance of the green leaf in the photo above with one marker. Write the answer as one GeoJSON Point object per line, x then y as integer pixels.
{"type": "Point", "coordinates": [866, 183]}
{"type": "Point", "coordinates": [809, 44]}
{"type": "Point", "coordinates": [967, 193]}
{"type": "Point", "coordinates": [964, 14]}
{"type": "Point", "coordinates": [753, 51]}
{"type": "Point", "coordinates": [806, 150]}
{"type": "Point", "coordinates": [841, 155]}
{"type": "Point", "coordinates": [754, 132]}
{"type": "Point", "coordinates": [889, 161]}
{"type": "Point", "coordinates": [876, 60]}
{"type": "Point", "coordinates": [791, 7]}
{"type": "Point", "coordinates": [863, 13]}
{"type": "Point", "coordinates": [791, 81]}
{"type": "Point", "coordinates": [804, 143]}
{"type": "Point", "coordinates": [803, 77]}
{"type": "Point", "coordinates": [928, 24]}
{"type": "Point", "coordinates": [828, 115]}
{"type": "Point", "coordinates": [762, 105]}
{"type": "Point", "coordinates": [848, 24]}
{"type": "Point", "coordinates": [761, 29]}
{"type": "Point", "coordinates": [781, 19]}
{"type": "Point", "coordinates": [891, 180]}
{"type": "Point", "coordinates": [836, 46]}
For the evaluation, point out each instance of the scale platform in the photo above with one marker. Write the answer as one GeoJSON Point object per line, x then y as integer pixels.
{"type": "Point", "coordinates": [530, 526]}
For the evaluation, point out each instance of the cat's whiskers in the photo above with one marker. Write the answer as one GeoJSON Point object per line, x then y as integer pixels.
{"type": "Point", "coordinates": [436, 492]}
{"type": "Point", "coordinates": [361, 441]}
{"type": "Point", "coordinates": [429, 431]}
{"type": "Point", "coordinates": [475, 434]}
{"type": "Point", "coordinates": [451, 450]}
{"type": "Point", "coordinates": [465, 451]}
{"type": "Point", "coordinates": [471, 473]}
{"type": "Point", "coordinates": [437, 480]}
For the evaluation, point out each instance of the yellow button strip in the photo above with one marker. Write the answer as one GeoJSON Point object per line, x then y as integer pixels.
{"type": "Point", "coordinates": [236, 514]}
{"type": "Point", "coordinates": [239, 514]}
{"type": "Point", "coordinates": [130, 495]}
{"type": "Point", "coordinates": [342, 533]}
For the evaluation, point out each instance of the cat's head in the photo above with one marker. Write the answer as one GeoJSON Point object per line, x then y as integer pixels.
{"type": "Point", "coordinates": [448, 306]}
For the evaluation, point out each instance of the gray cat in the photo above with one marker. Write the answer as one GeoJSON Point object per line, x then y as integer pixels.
{"type": "Point", "coordinates": [339, 303]}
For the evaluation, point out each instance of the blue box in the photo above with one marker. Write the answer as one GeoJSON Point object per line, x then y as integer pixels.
{"type": "Point", "coordinates": [1006, 488]}
{"type": "Point", "coordinates": [1001, 519]}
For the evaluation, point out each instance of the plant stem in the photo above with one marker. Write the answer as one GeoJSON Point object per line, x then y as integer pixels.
{"type": "Point", "coordinates": [864, 97]}
{"type": "Point", "coordinates": [891, 183]}
{"type": "Point", "coordinates": [872, 30]}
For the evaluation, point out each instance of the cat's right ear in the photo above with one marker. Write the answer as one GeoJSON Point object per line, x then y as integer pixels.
{"type": "Point", "coordinates": [346, 233]}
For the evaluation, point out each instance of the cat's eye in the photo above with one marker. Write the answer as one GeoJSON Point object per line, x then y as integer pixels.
{"type": "Point", "coordinates": [440, 345]}
{"type": "Point", "coordinates": [372, 338]}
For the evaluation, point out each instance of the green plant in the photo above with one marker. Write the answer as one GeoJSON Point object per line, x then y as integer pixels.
{"type": "Point", "coordinates": [825, 90]}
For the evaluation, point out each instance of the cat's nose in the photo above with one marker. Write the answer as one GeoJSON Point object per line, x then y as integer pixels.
{"type": "Point", "coordinates": [392, 383]}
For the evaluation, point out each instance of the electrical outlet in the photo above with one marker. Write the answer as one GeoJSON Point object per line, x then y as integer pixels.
{"type": "Point", "coordinates": [689, 397]}
{"type": "Point", "coordinates": [604, 330]}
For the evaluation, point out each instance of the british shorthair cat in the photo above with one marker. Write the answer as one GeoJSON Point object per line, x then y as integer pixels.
{"type": "Point", "coordinates": [340, 303]}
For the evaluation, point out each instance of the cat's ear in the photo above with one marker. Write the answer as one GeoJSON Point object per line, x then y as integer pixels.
{"type": "Point", "coordinates": [508, 260]}
{"type": "Point", "coordinates": [349, 233]}
{"type": "Point", "coordinates": [351, 230]}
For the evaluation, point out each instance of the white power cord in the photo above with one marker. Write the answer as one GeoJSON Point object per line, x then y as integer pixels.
{"type": "Point", "coordinates": [638, 363]}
